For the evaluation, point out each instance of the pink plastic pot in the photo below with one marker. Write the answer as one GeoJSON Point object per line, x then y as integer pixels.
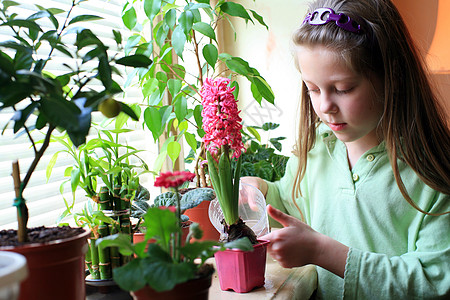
{"type": "Point", "coordinates": [242, 271]}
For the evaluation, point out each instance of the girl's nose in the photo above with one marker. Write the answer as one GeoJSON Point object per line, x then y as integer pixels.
{"type": "Point", "coordinates": [327, 104]}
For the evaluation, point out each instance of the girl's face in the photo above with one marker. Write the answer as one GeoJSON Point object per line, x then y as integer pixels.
{"type": "Point", "coordinates": [344, 100]}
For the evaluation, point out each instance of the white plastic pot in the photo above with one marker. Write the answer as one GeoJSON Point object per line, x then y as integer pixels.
{"type": "Point", "coordinates": [13, 270]}
{"type": "Point", "coordinates": [256, 217]}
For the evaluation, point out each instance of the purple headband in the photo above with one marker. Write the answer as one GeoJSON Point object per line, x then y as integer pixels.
{"type": "Point", "coordinates": [324, 15]}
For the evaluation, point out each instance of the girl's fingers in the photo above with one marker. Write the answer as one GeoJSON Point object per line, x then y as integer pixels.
{"type": "Point", "coordinates": [281, 217]}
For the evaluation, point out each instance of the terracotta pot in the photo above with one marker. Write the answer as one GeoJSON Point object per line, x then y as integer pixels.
{"type": "Point", "coordinates": [196, 289]}
{"type": "Point", "coordinates": [200, 215]}
{"type": "Point", "coordinates": [56, 269]}
{"type": "Point", "coordinates": [242, 271]}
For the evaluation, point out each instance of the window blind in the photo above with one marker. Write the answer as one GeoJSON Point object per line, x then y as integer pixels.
{"type": "Point", "coordinates": [44, 200]}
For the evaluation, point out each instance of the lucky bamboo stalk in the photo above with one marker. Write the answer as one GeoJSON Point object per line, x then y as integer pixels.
{"type": "Point", "coordinates": [104, 254]}
{"type": "Point", "coordinates": [114, 251]}
{"type": "Point", "coordinates": [95, 274]}
{"type": "Point", "coordinates": [105, 199]}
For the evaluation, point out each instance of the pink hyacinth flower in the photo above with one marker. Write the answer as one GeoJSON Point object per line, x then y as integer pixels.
{"type": "Point", "coordinates": [221, 121]}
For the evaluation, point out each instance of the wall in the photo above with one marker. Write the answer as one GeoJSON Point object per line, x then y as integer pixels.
{"type": "Point", "coordinates": [269, 52]}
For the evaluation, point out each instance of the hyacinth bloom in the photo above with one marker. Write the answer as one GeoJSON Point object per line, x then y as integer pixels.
{"type": "Point", "coordinates": [221, 121]}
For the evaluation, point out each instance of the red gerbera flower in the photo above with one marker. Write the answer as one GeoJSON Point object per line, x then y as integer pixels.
{"type": "Point", "coordinates": [173, 179]}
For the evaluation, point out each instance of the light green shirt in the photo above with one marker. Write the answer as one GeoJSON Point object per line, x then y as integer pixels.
{"type": "Point", "coordinates": [396, 252]}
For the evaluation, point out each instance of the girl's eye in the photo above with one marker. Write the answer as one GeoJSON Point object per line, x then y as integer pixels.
{"type": "Point", "coordinates": [311, 91]}
{"type": "Point", "coordinates": [341, 92]}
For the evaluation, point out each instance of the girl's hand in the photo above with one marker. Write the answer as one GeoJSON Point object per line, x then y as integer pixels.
{"type": "Point", "coordinates": [257, 182]}
{"type": "Point", "coordinates": [297, 244]}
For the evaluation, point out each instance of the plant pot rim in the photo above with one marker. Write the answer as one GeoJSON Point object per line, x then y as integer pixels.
{"type": "Point", "coordinates": [14, 270]}
{"type": "Point", "coordinates": [86, 232]}
{"type": "Point", "coordinates": [261, 243]}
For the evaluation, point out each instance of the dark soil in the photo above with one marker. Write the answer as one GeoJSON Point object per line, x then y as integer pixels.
{"type": "Point", "coordinates": [239, 230]}
{"type": "Point", "coordinates": [39, 235]}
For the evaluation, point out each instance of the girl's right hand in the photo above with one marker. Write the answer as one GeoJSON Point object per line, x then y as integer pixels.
{"type": "Point", "coordinates": [257, 182]}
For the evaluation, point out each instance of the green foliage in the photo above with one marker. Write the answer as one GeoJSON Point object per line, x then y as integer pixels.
{"type": "Point", "coordinates": [43, 100]}
{"type": "Point", "coordinates": [156, 267]}
{"type": "Point", "coordinates": [262, 159]}
{"type": "Point", "coordinates": [171, 93]}
{"type": "Point", "coordinates": [101, 161]}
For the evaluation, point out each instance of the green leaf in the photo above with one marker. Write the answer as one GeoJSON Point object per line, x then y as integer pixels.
{"type": "Point", "coordinates": [39, 15]}
{"type": "Point", "coordinates": [160, 224]}
{"type": "Point", "coordinates": [190, 139]}
{"type": "Point", "coordinates": [264, 170]}
{"type": "Point", "coordinates": [23, 23]}
{"type": "Point", "coordinates": [83, 18]}
{"type": "Point", "coordinates": [210, 53]}
{"type": "Point", "coordinates": [152, 8]}
{"type": "Point", "coordinates": [174, 86]}
{"type": "Point", "coordinates": [254, 132]}
{"type": "Point", "coordinates": [239, 66]}
{"type": "Point", "coordinates": [129, 18]}
{"type": "Point", "coordinates": [194, 197]}
{"type": "Point", "coordinates": [243, 244]}
{"type": "Point", "coordinates": [235, 10]}
{"type": "Point", "coordinates": [60, 112]}
{"type": "Point", "coordinates": [170, 18]}
{"type": "Point", "coordinates": [198, 115]}
{"type": "Point", "coordinates": [51, 164]}
{"type": "Point", "coordinates": [263, 88]}
{"type": "Point", "coordinates": [74, 180]}
{"type": "Point", "coordinates": [104, 72]}
{"type": "Point", "coordinates": [270, 126]}
{"type": "Point", "coordinates": [163, 276]}
{"type": "Point", "coordinates": [205, 29]}
{"type": "Point", "coordinates": [117, 36]}
{"type": "Point", "coordinates": [186, 20]}
{"type": "Point", "coordinates": [178, 40]}
{"type": "Point", "coordinates": [161, 34]}
{"type": "Point", "coordinates": [21, 116]}
{"type": "Point", "coordinates": [136, 60]}
{"type": "Point", "coordinates": [173, 150]}
{"type": "Point", "coordinates": [128, 111]}
{"type": "Point", "coordinates": [8, 3]}
{"type": "Point", "coordinates": [259, 18]}
{"type": "Point", "coordinates": [180, 108]}
{"type": "Point", "coordinates": [150, 86]}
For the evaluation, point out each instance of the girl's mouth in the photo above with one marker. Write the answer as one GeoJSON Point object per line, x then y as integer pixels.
{"type": "Point", "coordinates": [337, 126]}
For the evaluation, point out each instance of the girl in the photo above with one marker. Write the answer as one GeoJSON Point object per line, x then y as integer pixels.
{"type": "Point", "coordinates": [371, 174]}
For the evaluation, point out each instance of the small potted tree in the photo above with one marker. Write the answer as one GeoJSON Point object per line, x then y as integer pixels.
{"type": "Point", "coordinates": [47, 102]}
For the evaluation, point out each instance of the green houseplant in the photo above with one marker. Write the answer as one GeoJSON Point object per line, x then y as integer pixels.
{"type": "Point", "coordinates": [167, 265]}
{"type": "Point", "coordinates": [263, 159]}
{"type": "Point", "coordinates": [182, 40]}
{"type": "Point", "coordinates": [48, 102]}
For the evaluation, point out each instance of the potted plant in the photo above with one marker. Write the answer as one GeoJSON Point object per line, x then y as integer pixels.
{"type": "Point", "coordinates": [223, 140]}
{"type": "Point", "coordinates": [168, 269]}
{"type": "Point", "coordinates": [47, 102]}
{"type": "Point", "coordinates": [263, 159]}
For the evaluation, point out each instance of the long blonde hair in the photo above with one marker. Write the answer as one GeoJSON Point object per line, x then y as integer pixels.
{"type": "Point", "coordinates": [413, 124]}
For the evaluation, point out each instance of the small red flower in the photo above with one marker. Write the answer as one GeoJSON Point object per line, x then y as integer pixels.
{"type": "Point", "coordinates": [173, 179]}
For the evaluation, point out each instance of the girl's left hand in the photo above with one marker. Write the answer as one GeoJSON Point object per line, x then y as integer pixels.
{"type": "Point", "coordinates": [296, 244]}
